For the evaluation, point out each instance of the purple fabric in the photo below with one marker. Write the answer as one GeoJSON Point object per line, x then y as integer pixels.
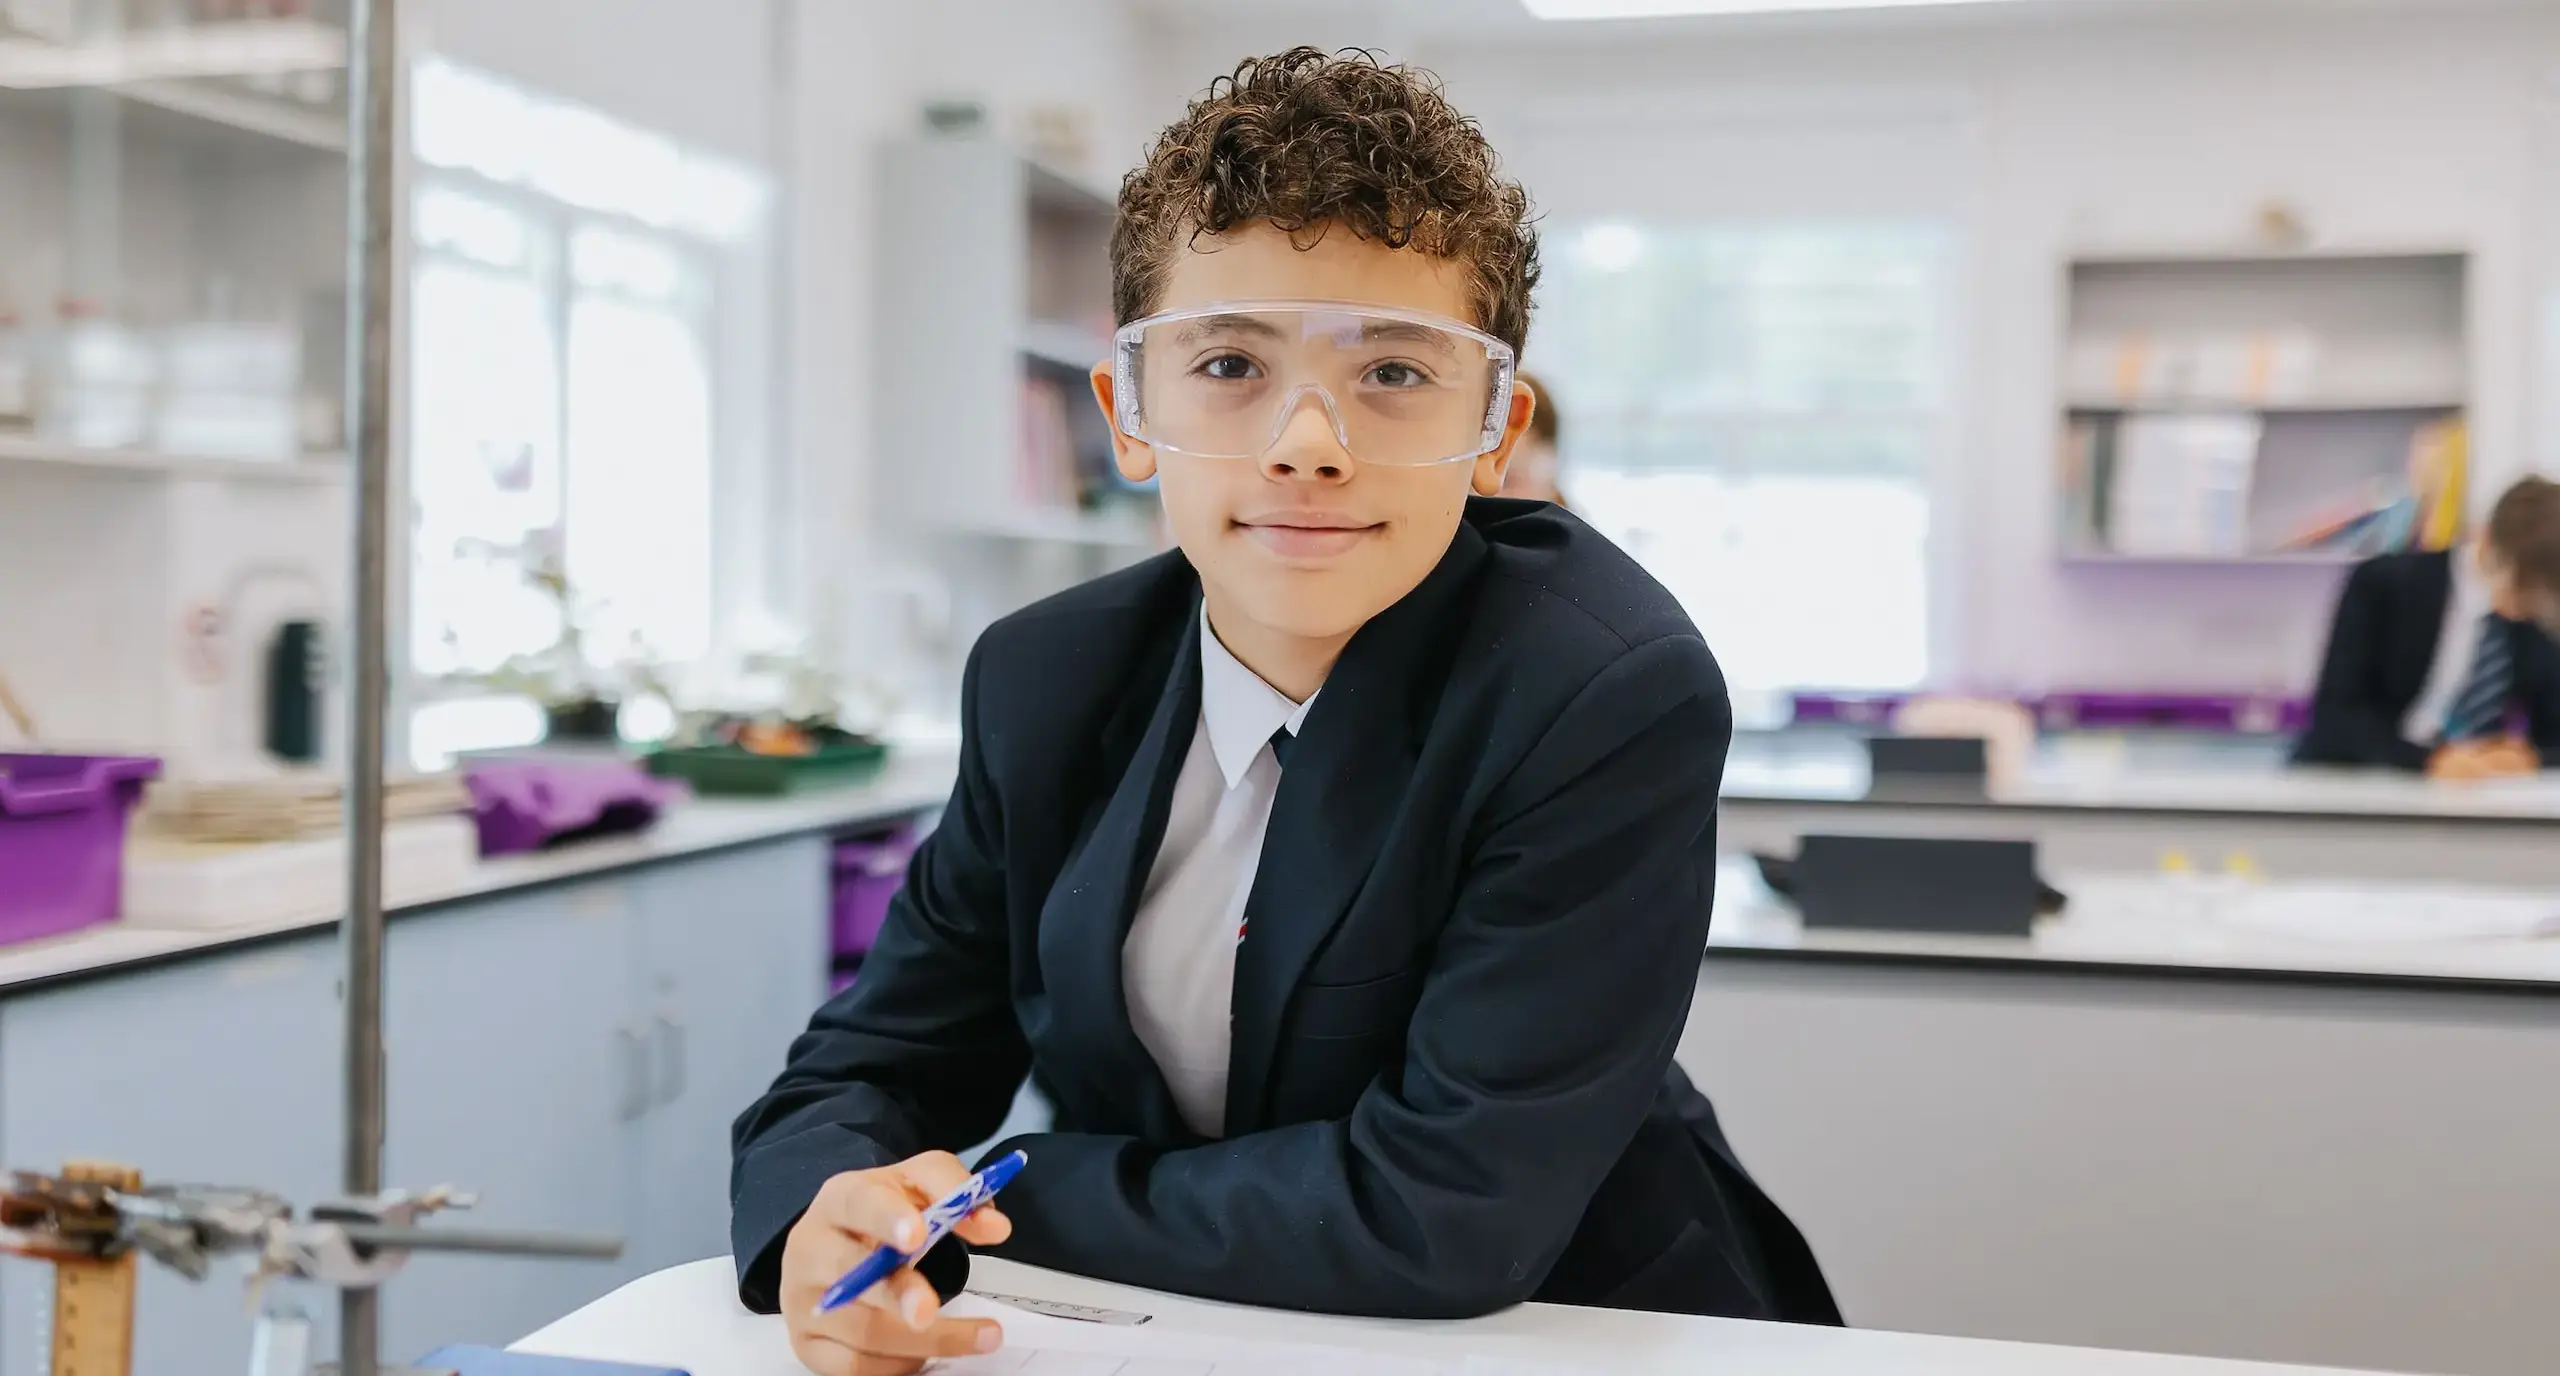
{"type": "Point", "coordinates": [527, 804]}
{"type": "Point", "coordinates": [2065, 711]}
{"type": "Point", "coordinates": [62, 820]}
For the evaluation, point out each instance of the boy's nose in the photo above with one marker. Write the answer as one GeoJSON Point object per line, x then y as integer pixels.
{"type": "Point", "coordinates": [1309, 445]}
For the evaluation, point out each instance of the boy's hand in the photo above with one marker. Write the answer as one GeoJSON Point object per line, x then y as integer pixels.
{"type": "Point", "coordinates": [2489, 759]}
{"type": "Point", "coordinates": [896, 1326]}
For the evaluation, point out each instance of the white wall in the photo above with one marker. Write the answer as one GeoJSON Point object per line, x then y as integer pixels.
{"type": "Point", "coordinates": [862, 76]}
{"type": "Point", "coordinates": [694, 70]}
{"type": "Point", "coordinates": [2127, 130]}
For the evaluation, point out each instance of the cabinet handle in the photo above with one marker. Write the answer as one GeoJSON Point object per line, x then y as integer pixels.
{"type": "Point", "coordinates": [634, 1051]}
{"type": "Point", "coordinates": [671, 1058]}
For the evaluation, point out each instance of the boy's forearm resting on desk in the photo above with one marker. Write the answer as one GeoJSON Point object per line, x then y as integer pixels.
{"type": "Point", "coordinates": [1457, 1178]}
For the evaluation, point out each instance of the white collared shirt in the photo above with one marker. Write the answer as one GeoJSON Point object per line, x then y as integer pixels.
{"type": "Point", "coordinates": [1178, 967]}
{"type": "Point", "coordinates": [2463, 608]}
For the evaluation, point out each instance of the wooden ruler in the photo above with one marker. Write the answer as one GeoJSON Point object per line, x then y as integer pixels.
{"type": "Point", "coordinates": [93, 1299]}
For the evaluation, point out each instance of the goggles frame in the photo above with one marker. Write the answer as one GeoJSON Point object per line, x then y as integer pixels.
{"type": "Point", "coordinates": [1130, 338]}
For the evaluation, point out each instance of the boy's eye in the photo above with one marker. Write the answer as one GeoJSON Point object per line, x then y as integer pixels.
{"type": "Point", "coordinates": [1229, 368]}
{"type": "Point", "coordinates": [1396, 376]}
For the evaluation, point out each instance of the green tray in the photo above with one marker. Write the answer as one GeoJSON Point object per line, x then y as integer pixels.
{"type": "Point", "coordinates": [728, 770]}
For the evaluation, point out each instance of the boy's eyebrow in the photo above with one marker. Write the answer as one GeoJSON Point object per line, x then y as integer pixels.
{"type": "Point", "coordinates": [1371, 331]}
{"type": "Point", "coordinates": [1408, 332]}
{"type": "Point", "coordinates": [1228, 323]}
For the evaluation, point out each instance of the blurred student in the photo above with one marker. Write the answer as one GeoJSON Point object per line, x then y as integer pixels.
{"type": "Point", "coordinates": [1537, 461]}
{"type": "Point", "coordinates": [2443, 660]}
{"type": "Point", "coordinates": [1342, 875]}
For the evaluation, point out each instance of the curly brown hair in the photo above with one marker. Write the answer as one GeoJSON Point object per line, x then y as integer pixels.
{"type": "Point", "coordinates": [2524, 529]}
{"type": "Point", "coordinates": [1307, 140]}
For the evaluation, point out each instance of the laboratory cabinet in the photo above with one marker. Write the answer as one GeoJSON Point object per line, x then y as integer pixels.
{"type": "Point", "coordinates": [573, 1052]}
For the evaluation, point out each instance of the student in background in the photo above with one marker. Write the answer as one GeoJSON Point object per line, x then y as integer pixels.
{"type": "Point", "coordinates": [2442, 660]}
{"type": "Point", "coordinates": [1340, 876]}
{"type": "Point", "coordinates": [1537, 462]}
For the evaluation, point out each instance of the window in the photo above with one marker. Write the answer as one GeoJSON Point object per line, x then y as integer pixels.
{"type": "Point", "coordinates": [567, 397]}
{"type": "Point", "coordinates": [1753, 410]}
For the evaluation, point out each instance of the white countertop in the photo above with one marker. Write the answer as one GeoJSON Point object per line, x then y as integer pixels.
{"type": "Point", "coordinates": [912, 781]}
{"type": "Point", "coordinates": [2102, 772]}
{"type": "Point", "coordinates": [2130, 920]}
{"type": "Point", "coordinates": [689, 1317]}
{"type": "Point", "coordinates": [2372, 931]}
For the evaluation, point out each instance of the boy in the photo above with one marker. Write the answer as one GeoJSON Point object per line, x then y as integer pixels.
{"type": "Point", "coordinates": [1342, 877]}
{"type": "Point", "coordinates": [2436, 658]}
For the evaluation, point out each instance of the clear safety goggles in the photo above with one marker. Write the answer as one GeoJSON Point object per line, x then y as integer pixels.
{"type": "Point", "coordinates": [1397, 387]}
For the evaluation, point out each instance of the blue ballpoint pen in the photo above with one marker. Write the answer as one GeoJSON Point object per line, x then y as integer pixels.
{"type": "Point", "coordinates": [938, 1221]}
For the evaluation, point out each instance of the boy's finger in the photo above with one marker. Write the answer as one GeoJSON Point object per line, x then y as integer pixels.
{"type": "Point", "coordinates": [934, 1175]}
{"type": "Point", "coordinates": [913, 1297]}
{"type": "Point", "coordinates": [985, 1228]}
{"type": "Point", "coordinates": [870, 1208]}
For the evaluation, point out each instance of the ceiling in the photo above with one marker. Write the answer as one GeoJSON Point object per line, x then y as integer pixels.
{"type": "Point", "coordinates": [1506, 21]}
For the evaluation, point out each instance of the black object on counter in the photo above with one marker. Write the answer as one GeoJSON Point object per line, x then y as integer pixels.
{"type": "Point", "coordinates": [1946, 767]}
{"type": "Point", "coordinates": [297, 678]}
{"type": "Point", "coordinates": [1914, 884]}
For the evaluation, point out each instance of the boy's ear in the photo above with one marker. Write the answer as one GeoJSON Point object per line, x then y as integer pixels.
{"type": "Point", "coordinates": [1136, 462]}
{"type": "Point", "coordinates": [1492, 465]}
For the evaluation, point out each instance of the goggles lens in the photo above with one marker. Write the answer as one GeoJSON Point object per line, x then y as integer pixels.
{"type": "Point", "coordinates": [1396, 387]}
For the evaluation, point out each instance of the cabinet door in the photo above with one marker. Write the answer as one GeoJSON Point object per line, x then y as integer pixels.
{"type": "Point", "coordinates": [515, 1073]}
{"type": "Point", "coordinates": [223, 1070]}
{"type": "Point", "coordinates": [733, 959]}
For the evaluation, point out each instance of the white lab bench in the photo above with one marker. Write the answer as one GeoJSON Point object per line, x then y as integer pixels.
{"type": "Point", "coordinates": [2120, 1132]}
{"type": "Point", "coordinates": [569, 1032]}
{"type": "Point", "coordinates": [2098, 803]}
{"type": "Point", "coordinates": [690, 1317]}
{"type": "Point", "coordinates": [2144, 1128]}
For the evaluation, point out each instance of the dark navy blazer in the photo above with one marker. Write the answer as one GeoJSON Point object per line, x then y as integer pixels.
{"type": "Point", "coordinates": [1472, 945]}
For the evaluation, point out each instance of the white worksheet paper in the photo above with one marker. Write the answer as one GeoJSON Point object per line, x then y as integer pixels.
{"type": "Point", "coordinates": [1036, 1345]}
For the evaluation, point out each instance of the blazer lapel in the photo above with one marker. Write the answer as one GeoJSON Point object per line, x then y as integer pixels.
{"type": "Point", "coordinates": [1085, 919]}
{"type": "Point", "coordinates": [1343, 787]}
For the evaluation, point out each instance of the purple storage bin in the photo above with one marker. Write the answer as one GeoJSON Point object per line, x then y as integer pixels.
{"type": "Point", "coordinates": [869, 871]}
{"type": "Point", "coordinates": [62, 821]}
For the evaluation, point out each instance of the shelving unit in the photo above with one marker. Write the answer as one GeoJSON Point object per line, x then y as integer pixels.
{"type": "Point", "coordinates": [992, 464]}
{"type": "Point", "coordinates": [2261, 408]}
{"type": "Point", "coordinates": [159, 181]}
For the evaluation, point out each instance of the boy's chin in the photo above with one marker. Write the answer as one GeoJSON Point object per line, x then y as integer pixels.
{"type": "Point", "coordinates": [1311, 610]}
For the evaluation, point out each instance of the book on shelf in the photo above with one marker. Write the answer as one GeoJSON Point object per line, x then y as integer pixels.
{"type": "Point", "coordinates": [1045, 474]}
{"type": "Point", "coordinates": [2420, 510]}
{"type": "Point", "coordinates": [2180, 485]}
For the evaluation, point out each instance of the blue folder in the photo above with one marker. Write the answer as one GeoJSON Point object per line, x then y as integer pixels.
{"type": "Point", "coordinates": [489, 1361]}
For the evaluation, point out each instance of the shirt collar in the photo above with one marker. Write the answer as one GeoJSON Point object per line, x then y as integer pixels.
{"type": "Point", "coordinates": [1241, 711]}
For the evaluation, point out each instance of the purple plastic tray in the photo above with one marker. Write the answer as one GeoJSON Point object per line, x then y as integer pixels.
{"type": "Point", "coordinates": [62, 821]}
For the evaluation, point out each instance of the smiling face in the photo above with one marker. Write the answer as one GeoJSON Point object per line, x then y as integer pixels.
{"type": "Point", "coordinates": [1299, 546]}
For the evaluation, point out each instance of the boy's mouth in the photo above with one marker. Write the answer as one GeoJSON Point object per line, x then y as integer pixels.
{"type": "Point", "coordinates": [1308, 534]}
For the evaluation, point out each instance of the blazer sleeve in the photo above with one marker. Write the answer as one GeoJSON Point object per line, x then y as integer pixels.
{"type": "Point", "coordinates": [2538, 684]}
{"type": "Point", "coordinates": [923, 1052]}
{"type": "Point", "coordinates": [2351, 721]}
{"type": "Point", "coordinates": [1549, 1011]}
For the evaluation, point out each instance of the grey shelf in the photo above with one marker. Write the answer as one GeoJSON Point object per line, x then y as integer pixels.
{"type": "Point", "coordinates": [37, 455]}
{"type": "Point", "coordinates": [2302, 559]}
